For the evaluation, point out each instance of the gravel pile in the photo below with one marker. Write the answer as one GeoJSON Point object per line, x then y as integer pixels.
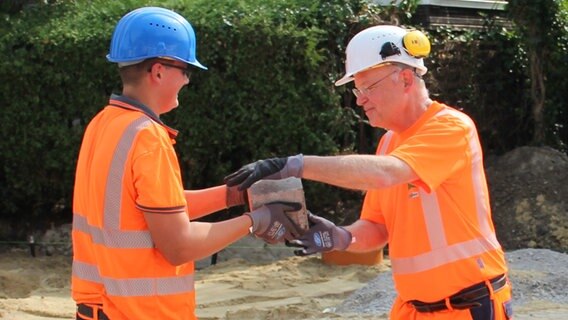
{"type": "Point", "coordinates": [537, 275]}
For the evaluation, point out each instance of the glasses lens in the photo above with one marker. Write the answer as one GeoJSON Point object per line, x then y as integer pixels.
{"type": "Point", "coordinates": [356, 93]}
{"type": "Point", "coordinates": [186, 70]}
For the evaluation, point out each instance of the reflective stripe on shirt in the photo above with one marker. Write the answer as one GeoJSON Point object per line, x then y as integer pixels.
{"type": "Point", "coordinates": [137, 286]}
{"type": "Point", "coordinates": [441, 252]}
{"type": "Point", "coordinates": [110, 235]}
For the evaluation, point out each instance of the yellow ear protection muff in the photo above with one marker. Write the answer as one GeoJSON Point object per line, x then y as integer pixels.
{"type": "Point", "coordinates": [416, 44]}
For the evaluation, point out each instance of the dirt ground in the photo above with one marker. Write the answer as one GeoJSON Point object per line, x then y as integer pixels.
{"type": "Point", "coordinates": [280, 287]}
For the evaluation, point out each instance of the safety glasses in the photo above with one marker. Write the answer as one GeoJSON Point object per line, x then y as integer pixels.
{"type": "Point", "coordinates": [367, 91]}
{"type": "Point", "coordinates": [185, 69]}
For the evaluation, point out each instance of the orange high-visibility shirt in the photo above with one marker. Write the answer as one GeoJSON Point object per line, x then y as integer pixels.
{"type": "Point", "coordinates": [127, 166]}
{"type": "Point", "coordinates": [440, 231]}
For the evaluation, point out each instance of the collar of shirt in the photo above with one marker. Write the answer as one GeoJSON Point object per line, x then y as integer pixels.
{"type": "Point", "coordinates": [131, 104]}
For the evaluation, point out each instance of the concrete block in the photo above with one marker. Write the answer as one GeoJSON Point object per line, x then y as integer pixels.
{"type": "Point", "coordinates": [287, 190]}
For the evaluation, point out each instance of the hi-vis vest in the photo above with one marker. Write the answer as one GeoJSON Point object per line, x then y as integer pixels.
{"type": "Point", "coordinates": [441, 235]}
{"type": "Point", "coordinates": [127, 165]}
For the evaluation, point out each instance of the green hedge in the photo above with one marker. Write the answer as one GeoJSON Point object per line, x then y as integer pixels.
{"type": "Point", "coordinates": [488, 73]}
{"type": "Point", "coordinates": [268, 92]}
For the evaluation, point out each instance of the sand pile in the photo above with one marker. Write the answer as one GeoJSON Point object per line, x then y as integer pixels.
{"type": "Point", "coordinates": [249, 284]}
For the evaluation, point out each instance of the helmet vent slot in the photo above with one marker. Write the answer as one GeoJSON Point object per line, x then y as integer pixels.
{"type": "Point", "coordinates": [161, 25]}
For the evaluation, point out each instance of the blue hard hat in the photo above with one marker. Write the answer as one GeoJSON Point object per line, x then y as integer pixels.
{"type": "Point", "coordinates": [152, 32]}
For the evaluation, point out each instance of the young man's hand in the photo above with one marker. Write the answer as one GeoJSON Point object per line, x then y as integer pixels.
{"type": "Point", "coordinates": [271, 224]}
{"type": "Point", "coordinates": [236, 197]}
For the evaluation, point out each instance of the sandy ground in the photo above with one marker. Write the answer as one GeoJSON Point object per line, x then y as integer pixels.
{"type": "Point", "coordinates": [241, 286]}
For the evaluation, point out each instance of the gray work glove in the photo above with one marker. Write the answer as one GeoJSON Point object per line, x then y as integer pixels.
{"type": "Point", "coordinates": [235, 197]}
{"type": "Point", "coordinates": [322, 236]}
{"type": "Point", "coordinates": [274, 168]}
{"type": "Point", "coordinates": [271, 224]}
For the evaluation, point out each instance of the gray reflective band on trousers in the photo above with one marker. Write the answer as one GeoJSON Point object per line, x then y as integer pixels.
{"type": "Point", "coordinates": [442, 252]}
{"type": "Point", "coordinates": [111, 236]}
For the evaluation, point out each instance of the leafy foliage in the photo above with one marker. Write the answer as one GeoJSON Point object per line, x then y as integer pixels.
{"type": "Point", "coordinates": [542, 25]}
{"type": "Point", "coordinates": [490, 74]}
{"type": "Point", "coordinates": [472, 71]}
{"type": "Point", "coordinates": [268, 91]}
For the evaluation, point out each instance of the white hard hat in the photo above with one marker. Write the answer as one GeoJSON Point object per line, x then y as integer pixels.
{"type": "Point", "coordinates": [382, 45]}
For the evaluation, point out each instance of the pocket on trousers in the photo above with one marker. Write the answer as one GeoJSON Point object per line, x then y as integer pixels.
{"type": "Point", "coordinates": [485, 311]}
{"type": "Point", "coordinates": [508, 308]}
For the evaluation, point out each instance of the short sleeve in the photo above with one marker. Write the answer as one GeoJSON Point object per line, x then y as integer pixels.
{"type": "Point", "coordinates": [156, 174]}
{"type": "Point", "coordinates": [371, 210]}
{"type": "Point", "coordinates": [437, 151]}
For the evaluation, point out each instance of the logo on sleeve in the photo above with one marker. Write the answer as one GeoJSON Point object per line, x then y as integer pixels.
{"type": "Point", "coordinates": [412, 191]}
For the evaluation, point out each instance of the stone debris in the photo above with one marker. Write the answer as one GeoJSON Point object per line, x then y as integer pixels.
{"type": "Point", "coordinates": [537, 275]}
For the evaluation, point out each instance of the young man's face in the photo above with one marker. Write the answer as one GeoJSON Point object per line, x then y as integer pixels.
{"type": "Point", "coordinates": [174, 75]}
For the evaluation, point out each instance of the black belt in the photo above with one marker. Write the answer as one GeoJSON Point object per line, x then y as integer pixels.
{"type": "Point", "coordinates": [464, 299]}
{"type": "Point", "coordinates": [88, 311]}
